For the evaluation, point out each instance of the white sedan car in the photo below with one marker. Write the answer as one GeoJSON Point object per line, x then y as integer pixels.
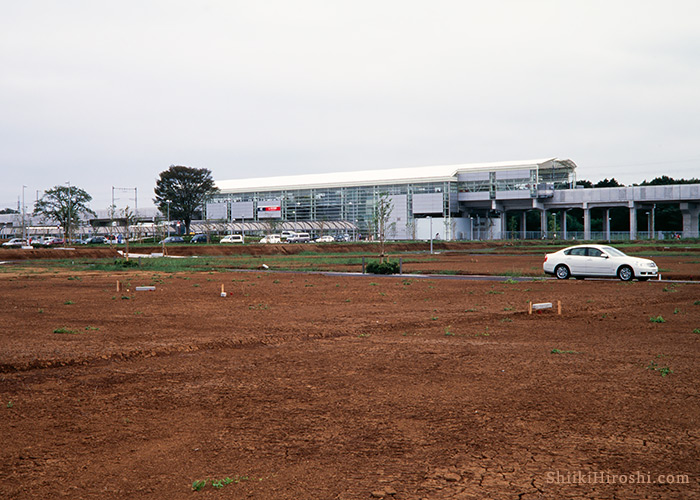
{"type": "Point", "coordinates": [15, 243]}
{"type": "Point", "coordinates": [325, 239]}
{"type": "Point", "coordinates": [594, 261]}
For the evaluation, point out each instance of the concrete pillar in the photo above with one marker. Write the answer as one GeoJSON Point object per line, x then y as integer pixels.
{"type": "Point", "coordinates": [504, 223]}
{"type": "Point", "coordinates": [691, 217]}
{"type": "Point", "coordinates": [633, 220]}
{"type": "Point", "coordinates": [586, 222]}
{"type": "Point", "coordinates": [607, 225]}
{"type": "Point", "coordinates": [563, 224]}
{"type": "Point", "coordinates": [523, 225]}
{"type": "Point", "coordinates": [543, 223]}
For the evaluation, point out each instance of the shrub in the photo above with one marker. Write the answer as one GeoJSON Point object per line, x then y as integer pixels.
{"type": "Point", "coordinates": [387, 267]}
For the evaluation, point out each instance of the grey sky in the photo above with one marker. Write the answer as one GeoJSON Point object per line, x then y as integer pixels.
{"type": "Point", "coordinates": [111, 93]}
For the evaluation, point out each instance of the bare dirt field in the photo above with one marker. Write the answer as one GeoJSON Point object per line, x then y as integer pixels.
{"type": "Point", "coordinates": [312, 386]}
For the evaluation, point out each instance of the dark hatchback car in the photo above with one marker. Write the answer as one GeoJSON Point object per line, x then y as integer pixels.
{"type": "Point", "coordinates": [199, 238]}
{"type": "Point", "coordinates": [173, 239]}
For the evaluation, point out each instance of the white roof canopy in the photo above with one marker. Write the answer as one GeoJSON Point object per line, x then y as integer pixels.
{"type": "Point", "coordinates": [376, 177]}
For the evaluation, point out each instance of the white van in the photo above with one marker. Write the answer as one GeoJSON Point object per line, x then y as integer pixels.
{"type": "Point", "coordinates": [299, 238]}
{"type": "Point", "coordinates": [271, 238]}
{"type": "Point", "coordinates": [232, 238]}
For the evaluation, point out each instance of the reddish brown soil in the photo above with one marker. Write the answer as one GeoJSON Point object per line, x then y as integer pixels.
{"type": "Point", "coordinates": [307, 386]}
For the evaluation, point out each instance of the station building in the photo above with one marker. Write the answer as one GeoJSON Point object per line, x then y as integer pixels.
{"type": "Point", "coordinates": [453, 202]}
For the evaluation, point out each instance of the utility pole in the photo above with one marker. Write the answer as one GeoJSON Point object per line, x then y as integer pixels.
{"type": "Point", "coordinates": [70, 217]}
{"type": "Point", "coordinates": [24, 228]}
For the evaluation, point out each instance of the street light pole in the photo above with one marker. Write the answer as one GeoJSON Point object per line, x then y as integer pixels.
{"type": "Point", "coordinates": [168, 202]}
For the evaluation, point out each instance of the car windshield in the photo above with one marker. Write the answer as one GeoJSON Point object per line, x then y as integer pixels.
{"type": "Point", "coordinates": [613, 251]}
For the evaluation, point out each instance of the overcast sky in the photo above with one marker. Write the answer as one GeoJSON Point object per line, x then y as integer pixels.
{"type": "Point", "coordinates": [111, 93]}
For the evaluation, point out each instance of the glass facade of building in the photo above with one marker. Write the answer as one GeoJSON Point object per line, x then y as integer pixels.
{"type": "Point", "coordinates": [346, 207]}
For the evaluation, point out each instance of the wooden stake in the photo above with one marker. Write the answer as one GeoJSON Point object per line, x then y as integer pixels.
{"type": "Point", "coordinates": [119, 286]}
{"type": "Point", "coordinates": [559, 307]}
{"type": "Point", "coordinates": [529, 307]}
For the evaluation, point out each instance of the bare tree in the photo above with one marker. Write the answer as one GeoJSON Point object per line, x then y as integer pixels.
{"type": "Point", "coordinates": [382, 213]}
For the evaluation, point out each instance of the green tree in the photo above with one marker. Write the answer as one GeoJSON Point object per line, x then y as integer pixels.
{"type": "Point", "coordinates": [186, 190]}
{"type": "Point", "coordinates": [605, 183]}
{"type": "Point", "coordinates": [64, 205]}
{"type": "Point", "coordinates": [666, 180]}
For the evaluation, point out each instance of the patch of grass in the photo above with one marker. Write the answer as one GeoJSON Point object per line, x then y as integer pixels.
{"type": "Point", "coordinates": [471, 310]}
{"type": "Point", "coordinates": [64, 329]}
{"type": "Point", "coordinates": [71, 278]}
{"type": "Point", "coordinates": [676, 311]}
{"type": "Point", "coordinates": [448, 332]}
{"type": "Point", "coordinates": [696, 303]}
{"type": "Point", "coordinates": [663, 370]}
{"type": "Point", "coordinates": [364, 335]}
{"type": "Point", "coordinates": [516, 274]}
{"type": "Point", "coordinates": [506, 320]}
{"type": "Point", "coordinates": [41, 311]}
{"type": "Point", "coordinates": [125, 297]}
{"type": "Point", "coordinates": [510, 281]}
{"type": "Point", "coordinates": [259, 307]}
{"type": "Point", "coordinates": [697, 330]}
{"type": "Point", "coordinates": [69, 302]}
{"type": "Point", "coordinates": [91, 328]}
{"type": "Point", "coordinates": [9, 404]}
{"type": "Point", "coordinates": [657, 319]}
{"type": "Point", "coordinates": [199, 484]}
{"type": "Point", "coordinates": [559, 351]}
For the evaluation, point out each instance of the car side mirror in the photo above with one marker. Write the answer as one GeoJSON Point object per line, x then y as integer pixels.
{"type": "Point", "coordinates": [604, 255]}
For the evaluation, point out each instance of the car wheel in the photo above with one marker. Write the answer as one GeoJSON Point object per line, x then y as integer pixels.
{"type": "Point", "coordinates": [562, 272]}
{"type": "Point", "coordinates": [625, 273]}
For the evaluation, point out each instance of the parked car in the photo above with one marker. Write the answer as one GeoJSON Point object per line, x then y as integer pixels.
{"type": "Point", "coordinates": [39, 241]}
{"type": "Point", "coordinates": [54, 242]}
{"type": "Point", "coordinates": [15, 243]}
{"type": "Point", "coordinates": [96, 240]}
{"type": "Point", "coordinates": [299, 238]}
{"type": "Point", "coordinates": [327, 238]}
{"type": "Point", "coordinates": [287, 234]}
{"type": "Point", "coordinates": [232, 238]}
{"type": "Point", "coordinates": [199, 238]}
{"type": "Point", "coordinates": [342, 237]}
{"type": "Point", "coordinates": [271, 238]}
{"type": "Point", "coordinates": [173, 239]}
{"type": "Point", "coordinates": [587, 261]}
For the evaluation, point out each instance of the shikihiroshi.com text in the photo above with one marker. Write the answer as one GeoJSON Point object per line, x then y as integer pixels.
{"type": "Point", "coordinates": [588, 477]}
